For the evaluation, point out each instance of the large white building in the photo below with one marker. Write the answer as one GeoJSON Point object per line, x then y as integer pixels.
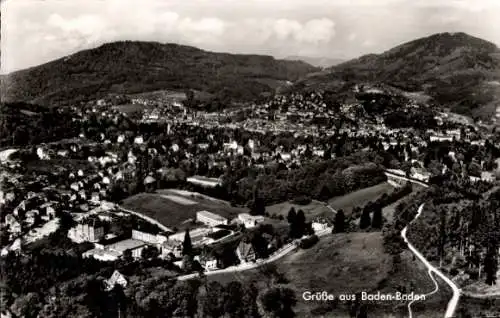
{"type": "Point", "coordinates": [210, 219]}
{"type": "Point", "coordinates": [83, 232]}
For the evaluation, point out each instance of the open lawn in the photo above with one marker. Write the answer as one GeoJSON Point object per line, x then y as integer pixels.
{"type": "Point", "coordinates": [359, 198]}
{"type": "Point", "coordinates": [311, 210]}
{"type": "Point", "coordinates": [349, 263]}
{"type": "Point", "coordinates": [173, 213]}
{"type": "Point", "coordinates": [338, 264]}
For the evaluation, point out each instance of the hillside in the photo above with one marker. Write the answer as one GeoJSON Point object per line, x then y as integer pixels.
{"type": "Point", "coordinates": [457, 70]}
{"type": "Point", "coordinates": [316, 61]}
{"type": "Point", "coordinates": [135, 67]}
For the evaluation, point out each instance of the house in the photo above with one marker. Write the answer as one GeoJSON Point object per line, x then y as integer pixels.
{"type": "Point", "coordinates": [139, 140]}
{"type": "Point", "coordinates": [31, 216]}
{"type": "Point", "coordinates": [116, 279]}
{"type": "Point", "coordinates": [149, 183]}
{"type": "Point", "coordinates": [49, 210]}
{"type": "Point", "coordinates": [210, 219]}
{"type": "Point", "coordinates": [246, 252]}
{"type": "Point", "coordinates": [319, 224]}
{"type": "Point", "coordinates": [87, 231]}
{"type": "Point", "coordinates": [42, 153]}
{"type": "Point", "coordinates": [171, 246]}
{"type": "Point", "coordinates": [63, 153]}
{"type": "Point", "coordinates": [250, 220]}
{"type": "Point", "coordinates": [209, 262]}
{"type": "Point", "coordinates": [13, 224]}
{"type": "Point", "coordinates": [487, 176]}
{"type": "Point", "coordinates": [95, 198]}
{"type": "Point", "coordinates": [74, 186]}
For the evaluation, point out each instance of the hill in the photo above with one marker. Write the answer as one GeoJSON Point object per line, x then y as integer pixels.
{"type": "Point", "coordinates": [316, 61]}
{"type": "Point", "coordinates": [457, 70]}
{"type": "Point", "coordinates": [135, 67]}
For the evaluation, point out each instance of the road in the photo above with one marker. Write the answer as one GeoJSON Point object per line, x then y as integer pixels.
{"type": "Point", "coordinates": [452, 304]}
{"type": "Point", "coordinates": [246, 266]}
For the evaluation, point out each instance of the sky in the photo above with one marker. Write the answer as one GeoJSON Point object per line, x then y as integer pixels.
{"type": "Point", "coordinates": [34, 32]}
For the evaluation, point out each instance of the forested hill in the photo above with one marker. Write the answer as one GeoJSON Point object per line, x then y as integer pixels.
{"type": "Point", "coordinates": [456, 69]}
{"type": "Point", "coordinates": [134, 67]}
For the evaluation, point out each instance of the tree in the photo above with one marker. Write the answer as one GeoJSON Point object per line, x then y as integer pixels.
{"type": "Point", "coordinates": [150, 252]}
{"type": "Point", "coordinates": [291, 215]}
{"type": "Point", "coordinates": [233, 303]}
{"type": "Point", "coordinates": [27, 305]}
{"type": "Point", "coordinates": [297, 227]}
{"type": "Point", "coordinates": [339, 226]}
{"type": "Point", "coordinates": [325, 193]}
{"type": "Point", "coordinates": [491, 265]}
{"type": "Point", "coordinates": [279, 302]}
{"type": "Point", "coordinates": [365, 220]}
{"type": "Point", "coordinates": [212, 301]}
{"type": "Point", "coordinates": [187, 246]}
{"type": "Point", "coordinates": [377, 220]}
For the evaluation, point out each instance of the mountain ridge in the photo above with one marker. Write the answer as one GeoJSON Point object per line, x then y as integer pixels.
{"type": "Point", "coordinates": [453, 68]}
{"type": "Point", "coordinates": [323, 62]}
{"type": "Point", "coordinates": [138, 66]}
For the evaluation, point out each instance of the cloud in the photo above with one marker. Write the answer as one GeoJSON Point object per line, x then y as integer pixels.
{"type": "Point", "coordinates": [34, 32]}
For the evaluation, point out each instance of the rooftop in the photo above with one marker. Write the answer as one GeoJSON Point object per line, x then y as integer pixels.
{"type": "Point", "coordinates": [124, 245]}
{"type": "Point", "coordinates": [211, 215]}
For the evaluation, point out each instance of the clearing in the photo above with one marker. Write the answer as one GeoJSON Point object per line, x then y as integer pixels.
{"type": "Point", "coordinates": [311, 210]}
{"type": "Point", "coordinates": [347, 263]}
{"type": "Point", "coordinates": [360, 198]}
{"type": "Point", "coordinates": [170, 211]}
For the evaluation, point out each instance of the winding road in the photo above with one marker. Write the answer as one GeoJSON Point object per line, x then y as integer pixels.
{"type": "Point", "coordinates": [452, 304]}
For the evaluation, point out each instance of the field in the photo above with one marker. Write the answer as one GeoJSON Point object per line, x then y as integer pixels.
{"type": "Point", "coordinates": [359, 198]}
{"type": "Point", "coordinates": [311, 210]}
{"type": "Point", "coordinates": [173, 209]}
{"type": "Point", "coordinates": [349, 263]}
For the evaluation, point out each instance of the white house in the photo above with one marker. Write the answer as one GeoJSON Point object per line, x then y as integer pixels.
{"type": "Point", "coordinates": [250, 220]}
{"type": "Point", "coordinates": [42, 153]}
{"type": "Point", "coordinates": [210, 219]}
{"type": "Point", "coordinates": [139, 140]}
{"type": "Point", "coordinates": [116, 278]}
{"type": "Point", "coordinates": [319, 225]}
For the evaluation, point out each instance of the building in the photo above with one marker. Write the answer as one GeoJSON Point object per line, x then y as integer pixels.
{"type": "Point", "coordinates": [171, 246]}
{"type": "Point", "coordinates": [319, 224]}
{"type": "Point", "coordinates": [117, 250]}
{"type": "Point", "coordinates": [209, 262]}
{"type": "Point", "coordinates": [210, 219]}
{"type": "Point", "coordinates": [246, 252]}
{"type": "Point", "coordinates": [250, 220]}
{"type": "Point", "coordinates": [116, 279]}
{"type": "Point", "coordinates": [153, 239]}
{"type": "Point", "coordinates": [204, 181]}
{"type": "Point", "coordinates": [86, 232]}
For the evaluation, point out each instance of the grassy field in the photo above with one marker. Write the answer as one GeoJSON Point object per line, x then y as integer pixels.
{"type": "Point", "coordinates": [349, 263]}
{"type": "Point", "coordinates": [311, 210]}
{"type": "Point", "coordinates": [339, 264]}
{"type": "Point", "coordinates": [359, 198]}
{"type": "Point", "coordinates": [173, 213]}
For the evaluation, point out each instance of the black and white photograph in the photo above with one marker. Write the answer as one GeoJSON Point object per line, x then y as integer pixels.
{"type": "Point", "coordinates": [250, 158]}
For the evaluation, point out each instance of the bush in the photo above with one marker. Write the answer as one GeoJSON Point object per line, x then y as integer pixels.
{"type": "Point", "coordinates": [308, 242]}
